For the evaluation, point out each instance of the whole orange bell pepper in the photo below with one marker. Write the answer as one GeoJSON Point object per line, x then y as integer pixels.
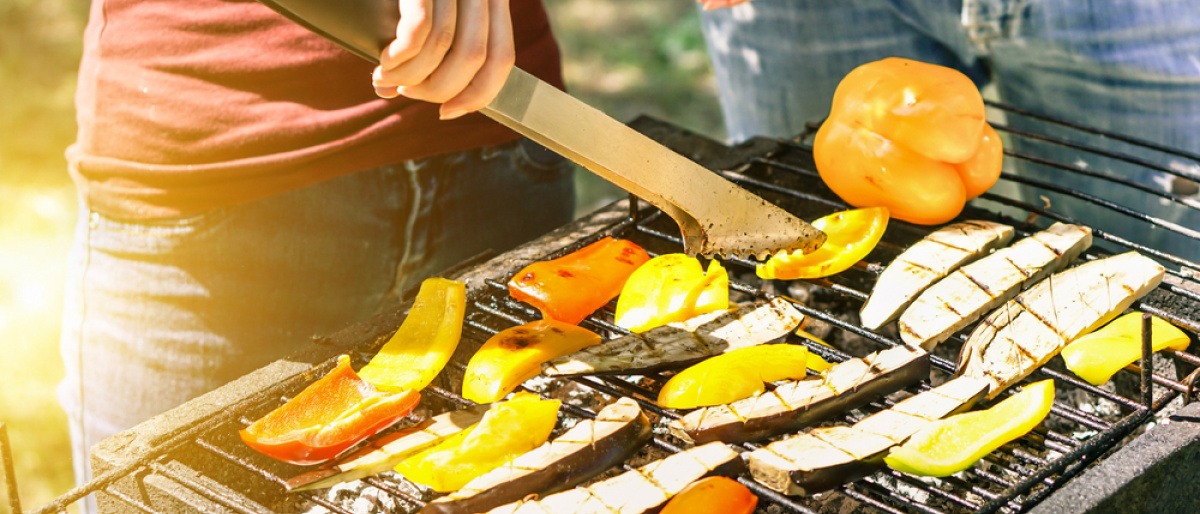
{"type": "Point", "coordinates": [332, 414]}
{"type": "Point", "coordinates": [573, 286]}
{"type": "Point", "coordinates": [909, 136]}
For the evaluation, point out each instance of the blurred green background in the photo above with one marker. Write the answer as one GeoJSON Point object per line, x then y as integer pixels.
{"type": "Point", "coordinates": [626, 57]}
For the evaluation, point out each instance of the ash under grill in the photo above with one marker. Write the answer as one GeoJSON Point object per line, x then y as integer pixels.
{"type": "Point", "coordinates": [192, 459]}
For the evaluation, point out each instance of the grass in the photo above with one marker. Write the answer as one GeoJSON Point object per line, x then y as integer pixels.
{"type": "Point", "coordinates": [625, 57]}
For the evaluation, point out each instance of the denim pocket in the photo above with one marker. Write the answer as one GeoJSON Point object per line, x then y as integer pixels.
{"type": "Point", "coordinates": [539, 164]}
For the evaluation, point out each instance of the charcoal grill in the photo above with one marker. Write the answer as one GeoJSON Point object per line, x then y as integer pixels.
{"type": "Point", "coordinates": [1096, 451]}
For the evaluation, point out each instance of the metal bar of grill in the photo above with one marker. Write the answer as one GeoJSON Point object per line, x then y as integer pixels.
{"type": "Point", "coordinates": [1015, 478]}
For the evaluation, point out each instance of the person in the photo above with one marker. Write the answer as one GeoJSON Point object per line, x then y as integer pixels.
{"type": "Point", "coordinates": [246, 185]}
{"type": "Point", "coordinates": [1122, 66]}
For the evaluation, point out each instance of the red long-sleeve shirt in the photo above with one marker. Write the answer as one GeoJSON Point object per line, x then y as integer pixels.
{"type": "Point", "coordinates": [188, 106]}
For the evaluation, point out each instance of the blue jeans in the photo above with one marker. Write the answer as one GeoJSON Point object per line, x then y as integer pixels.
{"type": "Point", "coordinates": [159, 312]}
{"type": "Point", "coordinates": [1124, 66]}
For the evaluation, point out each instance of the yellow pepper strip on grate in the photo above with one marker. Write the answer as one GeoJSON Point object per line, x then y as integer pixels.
{"type": "Point", "coordinates": [671, 287]}
{"type": "Point", "coordinates": [734, 375]}
{"type": "Point", "coordinates": [506, 431]}
{"type": "Point", "coordinates": [953, 444]}
{"type": "Point", "coordinates": [1097, 356]}
{"type": "Point", "coordinates": [425, 340]}
{"type": "Point", "coordinates": [516, 354]}
{"type": "Point", "coordinates": [851, 235]}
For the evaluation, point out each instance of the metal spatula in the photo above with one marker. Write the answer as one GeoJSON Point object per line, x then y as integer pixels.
{"type": "Point", "coordinates": [715, 216]}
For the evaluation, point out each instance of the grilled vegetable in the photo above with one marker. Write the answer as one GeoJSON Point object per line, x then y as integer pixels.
{"type": "Point", "coordinates": [971, 291]}
{"type": "Point", "coordinates": [826, 457]}
{"type": "Point", "coordinates": [506, 431]}
{"type": "Point", "coordinates": [573, 286]}
{"type": "Point", "coordinates": [733, 375]}
{"type": "Point", "coordinates": [671, 287]}
{"type": "Point", "coordinates": [330, 415]}
{"type": "Point", "coordinates": [516, 354]}
{"type": "Point", "coordinates": [586, 450]}
{"type": "Point", "coordinates": [926, 262]}
{"type": "Point", "coordinates": [640, 490]}
{"type": "Point", "coordinates": [384, 453]}
{"type": "Point", "coordinates": [795, 404]}
{"type": "Point", "coordinates": [851, 236]}
{"type": "Point", "coordinates": [713, 495]}
{"type": "Point", "coordinates": [908, 136]}
{"type": "Point", "coordinates": [953, 444]}
{"type": "Point", "coordinates": [1032, 328]}
{"type": "Point", "coordinates": [1098, 355]}
{"type": "Point", "coordinates": [423, 344]}
{"type": "Point", "coordinates": [684, 343]}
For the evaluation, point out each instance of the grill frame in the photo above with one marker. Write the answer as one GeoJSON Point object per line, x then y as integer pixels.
{"type": "Point", "coordinates": [138, 470]}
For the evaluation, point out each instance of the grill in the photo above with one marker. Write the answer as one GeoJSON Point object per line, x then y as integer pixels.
{"type": "Point", "coordinates": [1094, 450]}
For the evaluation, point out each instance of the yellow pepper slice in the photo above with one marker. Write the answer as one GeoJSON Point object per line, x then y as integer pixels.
{"type": "Point", "coordinates": [851, 235]}
{"type": "Point", "coordinates": [426, 339]}
{"type": "Point", "coordinates": [1097, 356]}
{"type": "Point", "coordinates": [953, 444]}
{"type": "Point", "coordinates": [816, 362]}
{"type": "Point", "coordinates": [671, 287]}
{"type": "Point", "coordinates": [516, 354]}
{"type": "Point", "coordinates": [734, 375]}
{"type": "Point", "coordinates": [506, 431]}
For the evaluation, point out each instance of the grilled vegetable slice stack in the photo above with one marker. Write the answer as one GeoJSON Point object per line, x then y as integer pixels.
{"type": "Point", "coordinates": [684, 343]}
{"type": "Point", "coordinates": [971, 291]}
{"type": "Point", "coordinates": [640, 490]}
{"type": "Point", "coordinates": [796, 404]}
{"type": "Point", "coordinates": [926, 262]}
{"type": "Point", "coordinates": [822, 458]}
{"type": "Point", "coordinates": [1032, 328]}
{"type": "Point", "coordinates": [586, 450]}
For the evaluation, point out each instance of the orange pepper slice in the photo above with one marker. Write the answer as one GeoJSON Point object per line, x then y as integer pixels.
{"type": "Point", "coordinates": [516, 354]}
{"type": "Point", "coordinates": [713, 495]}
{"type": "Point", "coordinates": [851, 235]}
{"type": "Point", "coordinates": [332, 414]}
{"type": "Point", "coordinates": [573, 286]}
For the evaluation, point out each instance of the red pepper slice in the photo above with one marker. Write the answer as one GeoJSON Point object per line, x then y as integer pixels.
{"type": "Point", "coordinates": [332, 414]}
{"type": "Point", "coordinates": [713, 495]}
{"type": "Point", "coordinates": [571, 287]}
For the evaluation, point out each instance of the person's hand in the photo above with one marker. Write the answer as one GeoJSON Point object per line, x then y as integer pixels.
{"type": "Point", "coordinates": [717, 4]}
{"type": "Point", "coordinates": [454, 52]}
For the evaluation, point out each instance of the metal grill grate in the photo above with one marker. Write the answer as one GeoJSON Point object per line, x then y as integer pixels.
{"type": "Point", "coordinates": [202, 464]}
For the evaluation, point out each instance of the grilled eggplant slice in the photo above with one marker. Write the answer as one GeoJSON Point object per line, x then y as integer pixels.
{"type": "Point", "coordinates": [971, 291]}
{"type": "Point", "coordinates": [681, 344]}
{"type": "Point", "coordinates": [1032, 328]}
{"type": "Point", "coordinates": [799, 403]}
{"type": "Point", "coordinates": [826, 457]}
{"type": "Point", "coordinates": [640, 490]}
{"type": "Point", "coordinates": [584, 451]}
{"type": "Point", "coordinates": [384, 453]}
{"type": "Point", "coordinates": [926, 262]}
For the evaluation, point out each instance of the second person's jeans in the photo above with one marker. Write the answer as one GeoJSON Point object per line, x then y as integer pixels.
{"type": "Point", "coordinates": [1124, 66]}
